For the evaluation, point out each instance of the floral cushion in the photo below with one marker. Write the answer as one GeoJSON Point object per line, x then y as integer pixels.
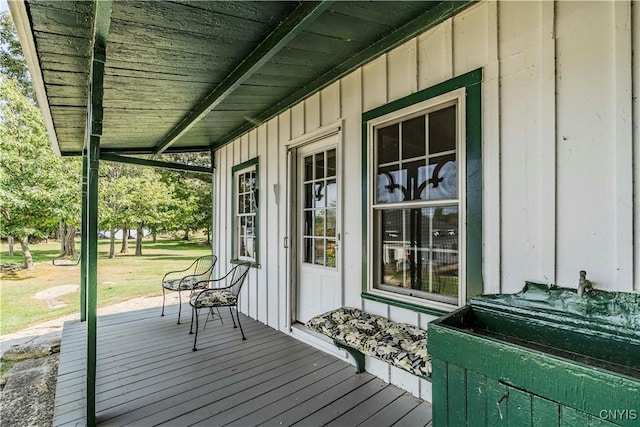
{"type": "Point", "coordinates": [213, 298]}
{"type": "Point", "coordinates": [348, 325]}
{"type": "Point", "coordinates": [399, 344]}
{"type": "Point", "coordinates": [185, 284]}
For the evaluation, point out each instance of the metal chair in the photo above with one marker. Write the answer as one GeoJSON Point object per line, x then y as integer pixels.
{"type": "Point", "coordinates": [188, 279]}
{"type": "Point", "coordinates": [216, 296]}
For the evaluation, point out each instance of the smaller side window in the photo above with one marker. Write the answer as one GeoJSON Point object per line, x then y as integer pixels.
{"type": "Point", "coordinates": [245, 211]}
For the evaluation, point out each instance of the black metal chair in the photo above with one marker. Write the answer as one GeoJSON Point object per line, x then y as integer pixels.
{"type": "Point", "coordinates": [216, 296]}
{"type": "Point", "coordinates": [188, 279]}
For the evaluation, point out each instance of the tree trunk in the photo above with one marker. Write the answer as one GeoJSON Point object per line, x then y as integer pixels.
{"type": "Point", "coordinates": [155, 237]}
{"type": "Point", "coordinates": [186, 235]}
{"type": "Point", "coordinates": [112, 242]}
{"type": "Point", "coordinates": [208, 236]}
{"type": "Point", "coordinates": [26, 253]}
{"type": "Point", "coordinates": [124, 249]}
{"type": "Point", "coordinates": [139, 232]}
{"type": "Point", "coordinates": [67, 241]}
{"type": "Point", "coordinates": [10, 244]}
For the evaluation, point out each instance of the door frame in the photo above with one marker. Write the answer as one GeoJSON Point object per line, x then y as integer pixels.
{"type": "Point", "coordinates": [293, 237]}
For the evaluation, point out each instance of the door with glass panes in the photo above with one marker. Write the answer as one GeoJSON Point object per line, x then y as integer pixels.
{"type": "Point", "coordinates": [318, 188]}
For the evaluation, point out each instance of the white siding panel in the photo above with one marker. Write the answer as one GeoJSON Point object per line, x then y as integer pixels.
{"type": "Point", "coordinates": [271, 233]}
{"type": "Point", "coordinates": [374, 83]}
{"type": "Point", "coordinates": [297, 120]}
{"type": "Point", "coordinates": [351, 243]}
{"type": "Point", "coordinates": [402, 70]}
{"type": "Point", "coordinates": [402, 315]}
{"type": "Point", "coordinates": [284, 135]}
{"type": "Point", "coordinates": [491, 137]}
{"type": "Point", "coordinates": [470, 39]}
{"type": "Point", "coordinates": [521, 148]}
{"type": "Point", "coordinates": [312, 113]}
{"type": "Point", "coordinates": [263, 202]}
{"type": "Point", "coordinates": [435, 55]}
{"type": "Point", "coordinates": [623, 137]}
{"type": "Point", "coordinates": [586, 200]}
{"type": "Point", "coordinates": [330, 104]}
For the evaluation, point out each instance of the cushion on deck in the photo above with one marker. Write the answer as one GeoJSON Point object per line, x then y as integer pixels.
{"type": "Point", "coordinates": [398, 344]}
{"type": "Point", "coordinates": [213, 298]}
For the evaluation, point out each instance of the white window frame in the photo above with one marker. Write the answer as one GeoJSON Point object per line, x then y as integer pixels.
{"type": "Point", "coordinates": [457, 97]}
{"type": "Point", "coordinates": [244, 168]}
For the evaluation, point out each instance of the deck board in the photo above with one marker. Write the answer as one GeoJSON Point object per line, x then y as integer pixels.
{"type": "Point", "coordinates": [148, 375]}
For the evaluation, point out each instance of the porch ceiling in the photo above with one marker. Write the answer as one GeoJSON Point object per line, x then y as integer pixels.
{"type": "Point", "coordinates": [194, 75]}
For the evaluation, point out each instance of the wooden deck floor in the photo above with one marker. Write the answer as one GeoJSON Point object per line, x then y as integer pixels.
{"type": "Point", "coordinates": [148, 375]}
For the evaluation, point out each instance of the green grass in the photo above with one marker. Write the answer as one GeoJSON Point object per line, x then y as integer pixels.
{"type": "Point", "coordinates": [119, 279]}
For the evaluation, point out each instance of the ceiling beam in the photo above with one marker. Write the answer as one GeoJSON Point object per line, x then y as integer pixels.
{"type": "Point", "coordinates": [288, 29]}
{"type": "Point", "coordinates": [155, 163]}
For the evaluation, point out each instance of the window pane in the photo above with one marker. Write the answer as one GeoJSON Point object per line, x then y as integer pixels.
{"type": "Point", "coordinates": [331, 222]}
{"type": "Point", "coordinates": [247, 204]}
{"type": "Point", "coordinates": [412, 179]}
{"type": "Point", "coordinates": [420, 252]}
{"type": "Point", "coordinates": [240, 205]}
{"type": "Point", "coordinates": [331, 253]}
{"type": "Point", "coordinates": [308, 195]}
{"type": "Point", "coordinates": [331, 163]}
{"type": "Point", "coordinates": [307, 248]}
{"type": "Point", "coordinates": [319, 252]}
{"type": "Point", "coordinates": [442, 130]}
{"type": "Point", "coordinates": [308, 223]}
{"type": "Point", "coordinates": [241, 184]}
{"type": "Point", "coordinates": [388, 139]}
{"type": "Point", "coordinates": [318, 194]}
{"type": "Point", "coordinates": [413, 138]}
{"type": "Point", "coordinates": [318, 223]}
{"type": "Point", "coordinates": [388, 189]}
{"type": "Point", "coordinates": [319, 160]}
{"type": "Point", "coordinates": [308, 168]}
{"type": "Point", "coordinates": [331, 193]}
{"type": "Point", "coordinates": [442, 175]}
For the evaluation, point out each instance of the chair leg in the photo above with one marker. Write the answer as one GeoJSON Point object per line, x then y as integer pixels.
{"type": "Point", "coordinates": [162, 314]}
{"type": "Point", "coordinates": [193, 309]}
{"type": "Point", "coordinates": [220, 315]}
{"type": "Point", "coordinates": [234, 320]}
{"type": "Point", "coordinates": [195, 339]}
{"type": "Point", "coordinates": [238, 316]}
{"type": "Point", "coordinates": [179, 305]}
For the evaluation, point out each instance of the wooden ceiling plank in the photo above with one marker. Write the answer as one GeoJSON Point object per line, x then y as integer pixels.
{"type": "Point", "coordinates": [421, 23]}
{"type": "Point", "coordinates": [294, 24]}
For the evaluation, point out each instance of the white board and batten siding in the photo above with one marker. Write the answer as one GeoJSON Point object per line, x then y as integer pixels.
{"type": "Point", "coordinates": [560, 123]}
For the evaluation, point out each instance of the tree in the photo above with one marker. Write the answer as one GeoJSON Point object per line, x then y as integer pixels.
{"type": "Point", "coordinates": [12, 62]}
{"type": "Point", "coordinates": [37, 188]}
{"type": "Point", "coordinates": [133, 198]}
{"type": "Point", "coordinates": [33, 193]}
{"type": "Point", "coordinates": [192, 193]}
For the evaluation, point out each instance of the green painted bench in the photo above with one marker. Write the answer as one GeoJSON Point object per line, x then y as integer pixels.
{"type": "Point", "coordinates": [361, 333]}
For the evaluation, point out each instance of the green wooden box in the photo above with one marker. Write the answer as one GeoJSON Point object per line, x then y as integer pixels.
{"type": "Point", "coordinates": [541, 357]}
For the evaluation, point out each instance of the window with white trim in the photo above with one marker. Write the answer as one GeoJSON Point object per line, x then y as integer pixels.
{"type": "Point", "coordinates": [245, 215]}
{"type": "Point", "coordinates": [416, 201]}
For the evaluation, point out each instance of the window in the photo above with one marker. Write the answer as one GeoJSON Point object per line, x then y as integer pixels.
{"type": "Point", "coordinates": [422, 164]}
{"type": "Point", "coordinates": [245, 211]}
{"type": "Point", "coordinates": [319, 208]}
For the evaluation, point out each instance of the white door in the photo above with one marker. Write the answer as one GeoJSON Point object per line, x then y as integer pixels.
{"type": "Point", "coordinates": [318, 223]}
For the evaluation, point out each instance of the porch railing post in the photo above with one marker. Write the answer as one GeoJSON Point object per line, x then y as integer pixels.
{"type": "Point", "coordinates": [95, 117]}
{"type": "Point", "coordinates": [83, 239]}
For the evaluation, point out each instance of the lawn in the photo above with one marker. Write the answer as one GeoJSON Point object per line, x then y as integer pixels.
{"type": "Point", "coordinates": [119, 279]}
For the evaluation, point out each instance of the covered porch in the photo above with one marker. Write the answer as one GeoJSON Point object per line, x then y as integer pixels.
{"type": "Point", "coordinates": [148, 375]}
